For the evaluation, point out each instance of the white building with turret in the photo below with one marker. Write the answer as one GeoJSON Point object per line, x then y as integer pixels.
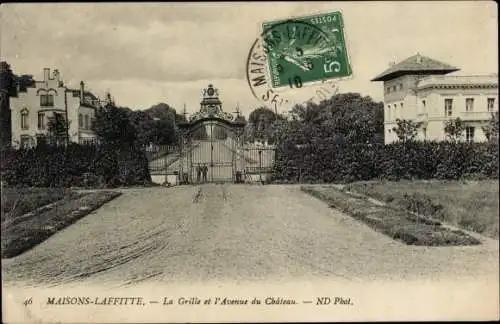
{"type": "Point", "coordinates": [420, 89]}
{"type": "Point", "coordinates": [32, 108]}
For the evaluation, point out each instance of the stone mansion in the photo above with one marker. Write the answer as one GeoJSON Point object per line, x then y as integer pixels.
{"type": "Point", "coordinates": [31, 110]}
{"type": "Point", "coordinates": [420, 89]}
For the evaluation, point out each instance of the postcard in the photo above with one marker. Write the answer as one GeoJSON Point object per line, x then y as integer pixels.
{"type": "Point", "coordinates": [249, 162]}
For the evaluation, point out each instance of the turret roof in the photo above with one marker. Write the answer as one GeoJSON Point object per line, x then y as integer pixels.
{"type": "Point", "coordinates": [416, 64]}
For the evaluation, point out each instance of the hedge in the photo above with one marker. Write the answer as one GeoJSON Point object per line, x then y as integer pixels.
{"type": "Point", "coordinates": [324, 162]}
{"type": "Point", "coordinates": [74, 165]}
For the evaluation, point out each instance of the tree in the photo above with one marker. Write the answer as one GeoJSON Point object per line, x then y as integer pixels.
{"type": "Point", "coordinates": [491, 128]}
{"type": "Point", "coordinates": [24, 81]}
{"type": "Point", "coordinates": [112, 126]}
{"type": "Point", "coordinates": [356, 118]}
{"type": "Point", "coordinates": [249, 133]}
{"type": "Point", "coordinates": [406, 130]}
{"type": "Point", "coordinates": [57, 128]}
{"type": "Point", "coordinates": [261, 125]}
{"type": "Point", "coordinates": [143, 125]}
{"type": "Point", "coordinates": [349, 116]}
{"type": "Point", "coordinates": [282, 129]}
{"type": "Point", "coordinates": [7, 88]}
{"type": "Point", "coordinates": [157, 124]}
{"type": "Point", "coordinates": [454, 129]}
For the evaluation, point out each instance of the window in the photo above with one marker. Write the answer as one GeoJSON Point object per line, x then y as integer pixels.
{"type": "Point", "coordinates": [388, 90]}
{"type": "Point", "coordinates": [423, 103]}
{"type": "Point", "coordinates": [469, 104]}
{"type": "Point", "coordinates": [448, 107]}
{"type": "Point", "coordinates": [80, 120]}
{"type": "Point", "coordinates": [401, 105]}
{"type": "Point", "coordinates": [469, 134]}
{"type": "Point", "coordinates": [393, 88]}
{"type": "Point", "coordinates": [24, 119]}
{"type": "Point", "coordinates": [400, 86]}
{"type": "Point", "coordinates": [41, 120]}
{"type": "Point", "coordinates": [47, 100]}
{"type": "Point", "coordinates": [491, 104]}
{"type": "Point", "coordinates": [86, 121]}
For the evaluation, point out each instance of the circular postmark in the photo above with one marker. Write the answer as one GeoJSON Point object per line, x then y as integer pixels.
{"type": "Point", "coordinates": [293, 62]}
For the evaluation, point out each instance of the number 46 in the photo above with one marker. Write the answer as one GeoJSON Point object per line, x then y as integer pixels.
{"type": "Point", "coordinates": [332, 67]}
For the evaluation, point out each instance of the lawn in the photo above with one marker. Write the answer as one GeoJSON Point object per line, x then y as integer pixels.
{"type": "Point", "coordinates": [396, 223]}
{"type": "Point", "coordinates": [25, 224]}
{"type": "Point", "coordinates": [472, 205]}
{"type": "Point", "coordinates": [19, 201]}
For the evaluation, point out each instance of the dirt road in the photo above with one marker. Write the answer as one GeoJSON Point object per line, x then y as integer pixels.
{"type": "Point", "coordinates": [232, 233]}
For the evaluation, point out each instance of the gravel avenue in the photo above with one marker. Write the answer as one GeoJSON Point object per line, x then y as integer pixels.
{"type": "Point", "coordinates": [232, 233]}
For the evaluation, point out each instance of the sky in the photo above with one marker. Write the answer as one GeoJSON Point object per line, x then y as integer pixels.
{"type": "Point", "coordinates": [146, 53]}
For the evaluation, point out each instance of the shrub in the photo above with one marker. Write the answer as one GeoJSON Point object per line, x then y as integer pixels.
{"type": "Point", "coordinates": [74, 165]}
{"type": "Point", "coordinates": [332, 162]}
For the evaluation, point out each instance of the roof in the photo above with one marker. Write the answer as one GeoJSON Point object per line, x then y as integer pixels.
{"type": "Point", "coordinates": [469, 81]}
{"type": "Point", "coordinates": [416, 64]}
{"type": "Point", "coordinates": [90, 95]}
{"type": "Point", "coordinates": [87, 94]}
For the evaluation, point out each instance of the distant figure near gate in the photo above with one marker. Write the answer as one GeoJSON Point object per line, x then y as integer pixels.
{"type": "Point", "coordinates": [198, 173]}
{"type": "Point", "coordinates": [205, 171]}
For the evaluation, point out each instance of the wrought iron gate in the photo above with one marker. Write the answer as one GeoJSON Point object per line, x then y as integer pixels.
{"type": "Point", "coordinates": [212, 158]}
{"type": "Point", "coordinates": [211, 139]}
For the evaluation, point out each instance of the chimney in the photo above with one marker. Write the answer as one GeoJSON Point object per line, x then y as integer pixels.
{"type": "Point", "coordinates": [46, 74]}
{"type": "Point", "coordinates": [82, 90]}
{"type": "Point", "coordinates": [56, 75]}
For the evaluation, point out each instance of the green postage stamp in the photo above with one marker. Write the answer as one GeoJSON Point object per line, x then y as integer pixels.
{"type": "Point", "coordinates": [306, 49]}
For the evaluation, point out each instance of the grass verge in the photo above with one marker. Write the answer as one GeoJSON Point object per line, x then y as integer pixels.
{"type": "Point", "coordinates": [23, 233]}
{"type": "Point", "coordinates": [397, 224]}
{"type": "Point", "coordinates": [471, 205]}
{"type": "Point", "coordinates": [19, 201]}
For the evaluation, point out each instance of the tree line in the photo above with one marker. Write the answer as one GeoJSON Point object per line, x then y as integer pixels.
{"type": "Point", "coordinates": [347, 117]}
{"type": "Point", "coordinates": [124, 126]}
{"type": "Point", "coordinates": [343, 118]}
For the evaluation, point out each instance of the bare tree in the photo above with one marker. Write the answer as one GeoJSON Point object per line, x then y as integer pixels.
{"type": "Point", "coordinates": [406, 130]}
{"type": "Point", "coordinates": [454, 129]}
